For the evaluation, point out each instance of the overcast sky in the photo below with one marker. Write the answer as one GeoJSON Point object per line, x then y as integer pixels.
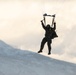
{"type": "Point", "coordinates": [20, 25]}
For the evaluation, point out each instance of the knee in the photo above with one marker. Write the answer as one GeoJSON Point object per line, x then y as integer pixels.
{"type": "Point", "coordinates": [49, 45]}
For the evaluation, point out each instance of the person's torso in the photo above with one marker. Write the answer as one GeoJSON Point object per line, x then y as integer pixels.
{"type": "Point", "coordinates": [48, 33]}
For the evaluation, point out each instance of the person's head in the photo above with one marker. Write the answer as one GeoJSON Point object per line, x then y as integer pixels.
{"type": "Point", "coordinates": [48, 26]}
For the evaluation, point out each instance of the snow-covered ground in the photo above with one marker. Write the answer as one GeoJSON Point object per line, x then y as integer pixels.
{"type": "Point", "coordinates": [19, 62]}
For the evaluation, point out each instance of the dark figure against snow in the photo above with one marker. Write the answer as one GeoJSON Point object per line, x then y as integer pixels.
{"type": "Point", "coordinates": [49, 35]}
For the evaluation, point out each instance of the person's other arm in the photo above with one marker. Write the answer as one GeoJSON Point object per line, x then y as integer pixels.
{"type": "Point", "coordinates": [43, 24]}
{"type": "Point", "coordinates": [54, 26]}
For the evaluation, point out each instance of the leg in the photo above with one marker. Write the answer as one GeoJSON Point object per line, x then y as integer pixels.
{"type": "Point", "coordinates": [42, 45]}
{"type": "Point", "coordinates": [49, 46]}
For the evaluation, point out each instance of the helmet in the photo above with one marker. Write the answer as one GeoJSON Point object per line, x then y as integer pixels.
{"type": "Point", "coordinates": [48, 26]}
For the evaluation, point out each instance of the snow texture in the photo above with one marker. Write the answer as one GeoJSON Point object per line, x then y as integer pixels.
{"type": "Point", "coordinates": [18, 62]}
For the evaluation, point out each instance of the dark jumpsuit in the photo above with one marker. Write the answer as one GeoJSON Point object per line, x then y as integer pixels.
{"type": "Point", "coordinates": [48, 37]}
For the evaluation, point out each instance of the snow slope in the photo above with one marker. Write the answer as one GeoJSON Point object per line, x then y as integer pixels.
{"type": "Point", "coordinates": [18, 62]}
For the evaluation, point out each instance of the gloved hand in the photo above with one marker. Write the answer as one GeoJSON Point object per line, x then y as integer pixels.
{"type": "Point", "coordinates": [41, 20]}
{"type": "Point", "coordinates": [53, 15]}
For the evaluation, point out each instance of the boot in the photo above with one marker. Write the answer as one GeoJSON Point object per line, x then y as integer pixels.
{"type": "Point", "coordinates": [49, 53]}
{"type": "Point", "coordinates": [39, 51]}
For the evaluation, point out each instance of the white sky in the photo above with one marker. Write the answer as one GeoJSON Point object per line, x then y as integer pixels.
{"type": "Point", "coordinates": [20, 25]}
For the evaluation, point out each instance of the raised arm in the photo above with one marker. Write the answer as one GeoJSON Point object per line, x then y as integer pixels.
{"type": "Point", "coordinates": [54, 26]}
{"type": "Point", "coordinates": [43, 24]}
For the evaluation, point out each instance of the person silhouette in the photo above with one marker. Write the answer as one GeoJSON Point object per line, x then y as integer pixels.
{"type": "Point", "coordinates": [49, 35]}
